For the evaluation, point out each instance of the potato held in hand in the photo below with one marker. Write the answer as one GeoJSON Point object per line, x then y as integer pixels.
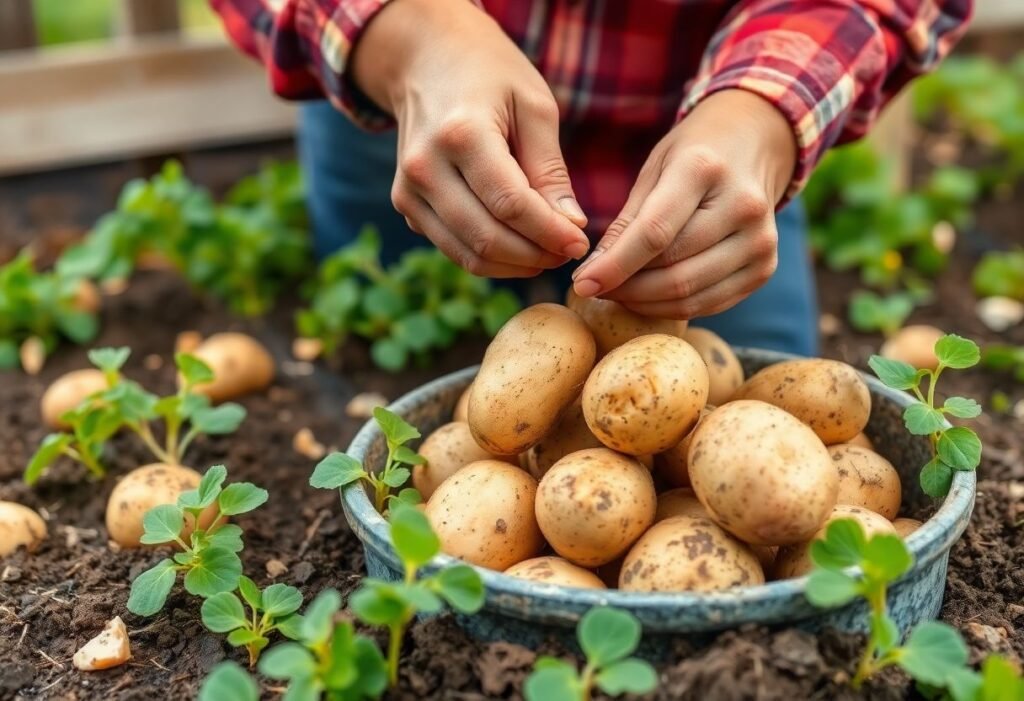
{"type": "Point", "coordinates": [447, 450]}
{"type": "Point", "coordinates": [531, 372]}
{"type": "Point", "coordinates": [555, 570]}
{"type": "Point", "coordinates": [240, 365]}
{"type": "Point", "coordinates": [867, 479]}
{"type": "Point", "coordinates": [646, 395]}
{"type": "Point", "coordinates": [762, 474]}
{"type": "Point", "coordinates": [612, 324]}
{"type": "Point", "coordinates": [67, 392]}
{"type": "Point", "coordinates": [19, 526]}
{"type": "Point", "coordinates": [724, 369]}
{"type": "Point", "coordinates": [795, 560]}
{"type": "Point", "coordinates": [142, 489]}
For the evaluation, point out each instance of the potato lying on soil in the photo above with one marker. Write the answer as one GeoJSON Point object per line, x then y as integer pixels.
{"type": "Point", "coordinates": [684, 553]}
{"type": "Point", "coordinates": [555, 570]}
{"type": "Point", "coordinates": [67, 392]}
{"type": "Point", "coordinates": [447, 450]}
{"type": "Point", "coordinates": [679, 502]}
{"type": "Point", "coordinates": [795, 560]}
{"type": "Point", "coordinates": [142, 489]}
{"type": "Point", "coordinates": [19, 526]}
{"type": "Point", "coordinates": [827, 395]}
{"type": "Point", "coordinates": [531, 372]}
{"type": "Point", "coordinates": [593, 504]}
{"type": "Point", "coordinates": [484, 515]}
{"type": "Point", "coordinates": [866, 479]}
{"type": "Point", "coordinates": [646, 395]}
{"type": "Point", "coordinates": [612, 324]}
{"type": "Point", "coordinates": [672, 465]}
{"type": "Point", "coordinates": [570, 434]}
{"type": "Point", "coordinates": [762, 474]}
{"type": "Point", "coordinates": [724, 369]}
{"type": "Point", "coordinates": [240, 365]}
{"type": "Point", "coordinates": [914, 344]}
{"type": "Point", "coordinates": [108, 649]}
{"type": "Point", "coordinates": [906, 526]}
{"type": "Point", "coordinates": [461, 412]}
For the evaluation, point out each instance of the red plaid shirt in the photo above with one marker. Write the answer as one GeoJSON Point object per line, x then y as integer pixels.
{"type": "Point", "coordinates": [624, 72]}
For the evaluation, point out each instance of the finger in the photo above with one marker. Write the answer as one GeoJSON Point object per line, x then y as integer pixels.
{"type": "Point", "coordinates": [711, 300]}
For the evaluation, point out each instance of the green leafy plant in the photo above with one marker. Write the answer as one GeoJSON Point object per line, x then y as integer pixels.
{"type": "Point", "coordinates": [417, 305]}
{"type": "Point", "coordinates": [273, 609]}
{"type": "Point", "coordinates": [229, 682]}
{"type": "Point", "coordinates": [1004, 358]}
{"type": "Point", "coordinates": [338, 469]}
{"type": "Point", "coordinates": [954, 448]}
{"type": "Point", "coordinates": [607, 637]}
{"type": "Point", "coordinates": [210, 561]}
{"type": "Point", "coordinates": [394, 604]}
{"type": "Point", "coordinates": [124, 404]}
{"type": "Point", "coordinates": [870, 312]}
{"type": "Point", "coordinates": [1000, 274]}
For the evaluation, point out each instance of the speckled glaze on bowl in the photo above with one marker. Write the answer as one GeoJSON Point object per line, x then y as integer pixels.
{"type": "Point", "coordinates": [526, 612]}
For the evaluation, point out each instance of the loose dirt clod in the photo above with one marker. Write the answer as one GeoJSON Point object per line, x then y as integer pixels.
{"type": "Point", "coordinates": [108, 649]}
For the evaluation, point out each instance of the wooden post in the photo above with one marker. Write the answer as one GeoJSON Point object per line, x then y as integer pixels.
{"type": "Point", "coordinates": [17, 25]}
{"type": "Point", "coordinates": [149, 17]}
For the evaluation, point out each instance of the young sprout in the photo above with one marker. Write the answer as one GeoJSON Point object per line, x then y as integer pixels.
{"type": "Point", "coordinates": [394, 604]}
{"type": "Point", "coordinates": [870, 312]}
{"type": "Point", "coordinates": [271, 609]}
{"type": "Point", "coordinates": [210, 560]}
{"type": "Point", "coordinates": [229, 682]}
{"type": "Point", "coordinates": [338, 469]}
{"type": "Point", "coordinates": [953, 449]}
{"type": "Point", "coordinates": [607, 637]}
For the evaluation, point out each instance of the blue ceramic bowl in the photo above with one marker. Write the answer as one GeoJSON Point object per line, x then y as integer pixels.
{"type": "Point", "coordinates": [526, 612]}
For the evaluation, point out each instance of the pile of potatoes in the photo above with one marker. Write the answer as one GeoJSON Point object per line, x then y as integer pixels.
{"type": "Point", "coordinates": [597, 448]}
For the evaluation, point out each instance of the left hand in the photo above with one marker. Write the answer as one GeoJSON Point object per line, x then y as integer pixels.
{"type": "Point", "coordinates": [697, 233]}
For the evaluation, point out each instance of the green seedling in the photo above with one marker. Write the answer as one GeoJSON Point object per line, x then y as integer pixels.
{"type": "Point", "coordinates": [124, 404]}
{"type": "Point", "coordinates": [273, 609]}
{"type": "Point", "coordinates": [393, 605]}
{"type": "Point", "coordinates": [1000, 274]}
{"type": "Point", "coordinates": [229, 682]}
{"type": "Point", "coordinates": [338, 469]}
{"type": "Point", "coordinates": [607, 637]}
{"type": "Point", "coordinates": [1004, 358]}
{"type": "Point", "coordinates": [953, 449]}
{"type": "Point", "coordinates": [871, 313]}
{"type": "Point", "coordinates": [209, 560]}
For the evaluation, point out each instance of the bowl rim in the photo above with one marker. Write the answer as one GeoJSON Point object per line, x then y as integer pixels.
{"type": "Point", "coordinates": [935, 537]}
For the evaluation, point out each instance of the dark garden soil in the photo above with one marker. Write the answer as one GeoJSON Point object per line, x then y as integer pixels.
{"type": "Point", "coordinates": [54, 600]}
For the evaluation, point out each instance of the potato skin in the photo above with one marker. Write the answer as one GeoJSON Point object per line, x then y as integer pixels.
{"type": "Point", "coordinates": [612, 324]}
{"type": "Point", "coordinates": [860, 439]}
{"type": "Point", "coordinates": [555, 570]}
{"type": "Point", "coordinates": [762, 474]}
{"type": "Point", "coordinates": [827, 395]}
{"type": "Point", "coordinates": [686, 553]}
{"type": "Point", "coordinates": [795, 560]}
{"type": "Point", "coordinates": [646, 395]}
{"type": "Point", "coordinates": [531, 372]}
{"type": "Point", "coordinates": [672, 465]}
{"type": "Point", "coordinates": [447, 450]}
{"type": "Point", "coordinates": [914, 344]}
{"type": "Point", "coordinates": [905, 526]}
{"type": "Point", "coordinates": [142, 489]}
{"type": "Point", "coordinates": [19, 526]}
{"type": "Point", "coordinates": [724, 370]}
{"type": "Point", "coordinates": [67, 392]}
{"type": "Point", "coordinates": [484, 515]}
{"type": "Point", "coordinates": [461, 411]}
{"type": "Point", "coordinates": [867, 479]}
{"type": "Point", "coordinates": [679, 502]}
{"type": "Point", "coordinates": [570, 434]}
{"type": "Point", "coordinates": [593, 504]}
{"type": "Point", "coordinates": [240, 365]}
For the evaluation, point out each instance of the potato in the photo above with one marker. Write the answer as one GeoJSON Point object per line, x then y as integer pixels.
{"type": "Point", "coordinates": [672, 465]}
{"type": "Point", "coordinates": [531, 372]}
{"type": "Point", "coordinates": [484, 515]}
{"type": "Point", "coordinates": [87, 297]}
{"type": "Point", "coordinates": [867, 479]}
{"type": "Point", "coordinates": [906, 526]}
{"type": "Point", "coordinates": [646, 395]}
{"type": "Point", "coordinates": [142, 489]}
{"type": "Point", "coordinates": [612, 324]}
{"type": "Point", "coordinates": [240, 365]}
{"type": "Point", "coordinates": [593, 504]}
{"type": "Point", "coordinates": [679, 502]}
{"type": "Point", "coordinates": [860, 440]}
{"type": "Point", "coordinates": [555, 570]}
{"type": "Point", "coordinates": [795, 560]}
{"type": "Point", "coordinates": [827, 395]}
{"type": "Point", "coordinates": [570, 434]}
{"type": "Point", "coordinates": [724, 370]}
{"type": "Point", "coordinates": [461, 411]}
{"type": "Point", "coordinates": [448, 449]}
{"type": "Point", "coordinates": [762, 474]}
{"type": "Point", "coordinates": [108, 649]}
{"type": "Point", "coordinates": [914, 344]}
{"type": "Point", "coordinates": [67, 392]}
{"type": "Point", "coordinates": [686, 553]}
{"type": "Point", "coordinates": [19, 526]}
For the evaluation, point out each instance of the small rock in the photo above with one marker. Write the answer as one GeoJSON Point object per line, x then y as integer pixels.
{"type": "Point", "coordinates": [108, 649]}
{"type": "Point", "coordinates": [829, 324]}
{"type": "Point", "coordinates": [1015, 610]}
{"type": "Point", "coordinates": [362, 405]}
{"type": "Point", "coordinates": [1000, 313]}
{"type": "Point", "coordinates": [10, 574]}
{"type": "Point", "coordinates": [276, 568]}
{"type": "Point", "coordinates": [302, 572]}
{"type": "Point", "coordinates": [299, 368]}
{"type": "Point", "coordinates": [989, 636]}
{"type": "Point", "coordinates": [943, 237]}
{"type": "Point", "coordinates": [73, 536]}
{"type": "Point", "coordinates": [305, 444]}
{"type": "Point", "coordinates": [33, 355]}
{"type": "Point", "coordinates": [308, 349]}
{"type": "Point", "coordinates": [153, 362]}
{"type": "Point", "coordinates": [187, 341]}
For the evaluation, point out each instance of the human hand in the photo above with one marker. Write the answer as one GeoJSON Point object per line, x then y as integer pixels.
{"type": "Point", "coordinates": [480, 169]}
{"type": "Point", "coordinates": [697, 233]}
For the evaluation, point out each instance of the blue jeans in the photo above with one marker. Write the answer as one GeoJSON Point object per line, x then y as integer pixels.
{"type": "Point", "coordinates": [348, 178]}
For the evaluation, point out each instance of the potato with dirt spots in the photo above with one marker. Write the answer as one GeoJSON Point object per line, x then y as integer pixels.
{"type": "Point", "coordinates": [905, 526]}
{"type": "Point", "coordinates": [142, 489]}
{"type": "Point", "coordinates": [612, 324]}
{"type": "Point", "coordinates": [68, 391]}
{"type": "Point", "coordinates": [555, 570]}
{"type": "Point", "coordinates": [672, 465]}
{"type": "Point", "coordinates": [687, 553]}
{"type": "Point", "coordinates": [867, 479]}
{"type": "Point", "coordinates": [646, 395]}
{"type": "Point", "coordinates": [20, 526]}
{"type": "Point", "coordinates": [860, 439]}
{"type": "Point", "coordinates": [827, 395]}
{"type": "Point", "coordinates": [240, 365]}
{"type": "Point", "coordinates": [593, 504]}
{"type": "Point", "coordinates": [724, 370]}
{"type": "Point", "coordinates": [795, 560]}
{"type": "Point", "coordinates": [448, 450]}
{"type": "Point", "coordinates": [532, 371]}
{"type": "Point", "coordinates": [570, 434]}
{"type": "Point", "coordinates": [762, 474]}
{"type": "Point", "coordinates": [484, 514]}
{"type": "Point", "coordinates": [679, 502]}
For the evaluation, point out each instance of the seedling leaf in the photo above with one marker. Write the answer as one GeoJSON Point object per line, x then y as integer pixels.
{"type": "Point", "coordinates": [960, 448]}
{"type": "Point", "coordinates": [162, 524]}
{"type": "Point", "coordinates": [408, 456]}
{"type": "Point", "coordinates": [318, 622]}
{"type": "Point", "coordinates": [842, 547]}
{"type": "Point", "coordinates": [884, 632]}
{"type": "Point", "coordinates": [922, 420]}
{"type": "Point", "coordinates": [962, 408]}
{"type": "Point", "coordinates": [936, 478]}
{"type": "Point", "coordinates": [287, 661]}
{"type": "Point", "coordinates": [223, 612]}
{"type": "Point", "coordinates": [396, 477]}
{"type": "Point", "coordinates": [194, 370]}
{"type": "Point", "coordinates": [396, 430]}
{"type": "Point", "coordinates": [607, 635]}
{"type": "Point", "coordinates": [280, 600]}
{"type": "Point", "coordinates": [150, 589]}
{"type": "Point", "coordinates": [894, 373]}
{"type": "Point", "coordinates": [229, 682]}
{"type": "Point", "coordinates": [413, 538]}
{"type": "Point", "coordinates": [462, 588]}
{"type": "Point", "coordinates": [49, 450]}
{"type": "Point", "coordinates": [291, 626]}
{"type": "Point", "coordinates": [109, 360]}
{"type": "Point", "coordinates": [887, 557]}
{"type": "Point", "coordinates": [376, 603]}
{"type": "Point", "coordinates": [552, 681]}
{"type": "Point", "coordinates": [335, 471]}
{"type": "Point", "coordinates": [207, 491]}
{"type": "Point", "coordinates": [629, 676]}
{"type": "Point", "coordinates": [932, 649]}
{"type": "Point", "coordinates": [241, 498]}
{"type": "Point", "coordinates": [227, 536]}
{"type": "Point", "coordinates": [827, 588]}
{"type": "Point", "coordinates": [957, 352]}
{"type": "Point", "coordinates": [218, 420]}
{"type": "Point", "coordinates": [213, 571]}
{"type": "Point", "coordinates": [250, 592]}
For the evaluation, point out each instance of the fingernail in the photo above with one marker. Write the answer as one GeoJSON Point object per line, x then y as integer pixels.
{"type": "Point", "coordinates": [576, 250]}
{"type": "Point", "coordinates": [588, 261]}
{"type": "Point", "coordinates": [571, 209]}
{"type": "Point", "coordinates": [587, 288]}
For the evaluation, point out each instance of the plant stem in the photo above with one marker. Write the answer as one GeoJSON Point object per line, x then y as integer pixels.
{"type": "Point", "coordinates": [586, 682]}
{"type": "Point", "coordinates": [186, 442]}
{"type": "Point", "coordinates": [144, 432]}
{"type": "Point", "coordinates": [395, 634]}
{"type": "Point", "coordinates": [86, 458]}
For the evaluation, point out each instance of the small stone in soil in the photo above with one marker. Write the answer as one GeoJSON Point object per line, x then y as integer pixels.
{"type": "Point", "coordinates": [10, 574]}
{"type": "Point", "coordinates": [276, 568]}
{"type": "Point", "coordinates": [302, 571]}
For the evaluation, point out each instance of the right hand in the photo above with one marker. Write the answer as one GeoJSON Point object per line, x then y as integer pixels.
{"type": "Point", "coordinates": [480, 169]}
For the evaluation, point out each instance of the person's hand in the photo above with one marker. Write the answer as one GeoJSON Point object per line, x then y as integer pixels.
{"type": "Point", "coordinates": [480, 169]}
{"type": "Point", "coordinates": [697, 233]}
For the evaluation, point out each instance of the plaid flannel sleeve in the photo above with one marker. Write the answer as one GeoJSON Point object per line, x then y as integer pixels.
{"type": "Point", "coordinates": [305, 46]}
{"type": "Point", "coordinates": [828, 65]}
